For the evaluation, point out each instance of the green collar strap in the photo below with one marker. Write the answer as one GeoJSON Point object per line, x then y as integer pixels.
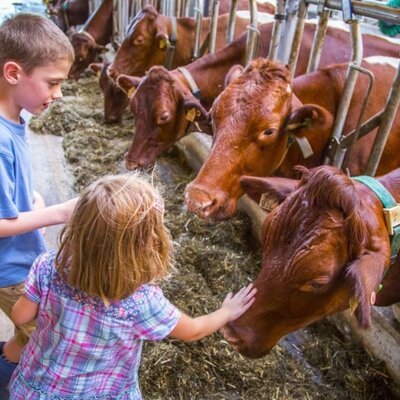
{"type": "Point", "coordinates": [391, 210]}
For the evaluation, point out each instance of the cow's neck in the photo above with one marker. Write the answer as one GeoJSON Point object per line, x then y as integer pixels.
{"type": "Point", "coordinates": [100, 24]}
{"type": "Point", "coordinates": [186, 37]}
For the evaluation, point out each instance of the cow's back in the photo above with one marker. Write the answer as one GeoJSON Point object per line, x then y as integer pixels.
{"type": "Point", "coordinates": [325, 87]}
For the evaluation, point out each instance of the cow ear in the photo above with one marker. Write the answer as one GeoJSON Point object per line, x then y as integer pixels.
{"type": "Point", "coordinates": [309, 116]}
{"type": "Point", "coordinates": [365, 275]}
{"type": "Point", "coordinates": [233, 73]}
{"type": "Point", "coordinates": [128, 83]}
{"type": "Point", "coordinates": [271, 190]}
{"type": "Point", "coordinates": [96, 68]}
{"type": "Point", "coordinates": [195, 111]}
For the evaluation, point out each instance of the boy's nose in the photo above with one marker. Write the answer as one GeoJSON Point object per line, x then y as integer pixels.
{"type": "Point", "coordinates": [57, 94]}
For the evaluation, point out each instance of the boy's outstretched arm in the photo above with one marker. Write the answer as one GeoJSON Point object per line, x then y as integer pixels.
{"type": "Point", "coordinates": [190, 329]}
{"type": "Point", "coordinates": [31, 220]}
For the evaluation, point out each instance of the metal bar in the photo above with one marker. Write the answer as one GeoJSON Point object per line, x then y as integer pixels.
{"type": "Point", "coordinates": [365, 128]}
{"type": "Point", "coordinates": [298, 35]}
{"type": "Point", "coordinates": [178, 11]}
{"type": "Point", "coordinates": [213, 27]}
{"type": "Point", "coordinates": [286, 42]}
{"type": "Point", "coordinates": [349, 144]}
{"type": "Point", "coordinates": [115, 32]}
{"type": "Point", "coordinates": [385, 126]}
{"type": "Point", "coordinates": [230, 33]}
{"type": "Point", "coordinates": [365, 8]}
{"type": "Point", "coordinates": [351, 78]}
{"type": "Point", "coordinates": [199, 21]}
{"type": "Point", "coordinates": [253, 33]}
{"type": "Point", "coordinates": [277, 30]}
{"type": "Point", "coordinates": [318, 41]}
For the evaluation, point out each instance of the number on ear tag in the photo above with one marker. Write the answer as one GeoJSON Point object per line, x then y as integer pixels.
{"type": "Point", "coordinates": [162, 44]}
{"type": "Point", "coordinates": [191, 115]}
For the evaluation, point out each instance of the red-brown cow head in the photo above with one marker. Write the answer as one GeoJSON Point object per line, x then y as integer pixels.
{"type": "Point", "coordinates": [145, 45]}
{"type": "Point", "coordinates": [114, 109]}
{"type": "Point", "coordinates": [324, 247]}
{"type": "Point", "coordinates": [252, 119]}
{"type": "Point", "coordinates": [86, 51]}
{"type": "Point", "coordinates": [160, 105]}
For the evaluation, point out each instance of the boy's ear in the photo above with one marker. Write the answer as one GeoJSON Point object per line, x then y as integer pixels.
{"type": "Point", "coordinates": [11, 72]}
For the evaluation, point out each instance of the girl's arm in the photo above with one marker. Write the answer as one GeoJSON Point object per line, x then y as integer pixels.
{"type": "Point", "coordinates": [190, 329]}
{"type": "Point", "coordinates": [24, 311]}
{"type": "Point", "coordinates": [31, 220]}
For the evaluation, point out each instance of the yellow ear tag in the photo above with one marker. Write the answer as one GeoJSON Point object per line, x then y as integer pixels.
{"type": "Point", "coordinates": [191, 114]}
{"type": "Point", "coordinates": [162, 44]}
{"type": "Point", "coordinates": [353, 304]}
{"type": "Point", "coordinates": [131, 91]}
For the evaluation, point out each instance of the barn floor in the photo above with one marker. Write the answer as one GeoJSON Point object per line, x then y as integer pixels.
{"type": "Point", "coordinates": [314, 363]}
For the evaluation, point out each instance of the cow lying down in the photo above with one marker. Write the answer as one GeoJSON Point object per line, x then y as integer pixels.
{"type": "Point", "coordinates": [325, 248]}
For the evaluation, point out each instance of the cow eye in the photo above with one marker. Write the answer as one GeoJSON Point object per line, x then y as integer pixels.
{"type": "Point", "coordinates": [269, 132]}
{"type": "Point", "coordinates": [315, 285]}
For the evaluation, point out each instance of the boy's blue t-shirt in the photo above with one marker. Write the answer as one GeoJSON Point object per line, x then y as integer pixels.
{"type": "Point", "coordinates": [17, 253]}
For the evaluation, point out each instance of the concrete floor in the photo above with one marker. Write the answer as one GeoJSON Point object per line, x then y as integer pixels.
{"type": "Point", "coordinates": [53, 180]}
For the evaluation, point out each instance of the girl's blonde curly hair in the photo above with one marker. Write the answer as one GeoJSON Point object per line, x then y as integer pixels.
{"type": "Point", "coordinates": [116, 239]}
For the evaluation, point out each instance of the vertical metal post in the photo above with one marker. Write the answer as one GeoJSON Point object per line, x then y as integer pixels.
{"type": "Point", "coordinates": [318, 41]}
{"type": "Point", "coordinates": [288, 31]}
{"type": "Point", "coordinates": [277, 31]}
{"type": "Point", "coordinates": [294, 55]}
{"type": "Point", "coordinates": [199, 21]}
{"type": "Point", "coordinates": [391, 108]}
{"type": "Point", "coordinates": [351, 78]}
{"type": "Point", "coordinates": [213, 27]}
{"type": "Point", "coordinates": [230, 33]}
{"type": "Point", "coordinates": [252, 32]}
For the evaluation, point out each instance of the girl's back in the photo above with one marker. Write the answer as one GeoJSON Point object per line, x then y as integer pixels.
{"type": "Point", "coordinates": [82, 345]}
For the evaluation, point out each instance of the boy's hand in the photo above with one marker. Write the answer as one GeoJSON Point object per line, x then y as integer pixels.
{"type": "Point", "coordinates": [237, 304]}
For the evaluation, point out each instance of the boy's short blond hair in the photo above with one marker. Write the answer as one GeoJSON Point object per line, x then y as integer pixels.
{"type": "Point", "coordinates": [32, 40]}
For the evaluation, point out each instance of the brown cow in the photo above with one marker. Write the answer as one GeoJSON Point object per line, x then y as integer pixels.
{"type": "Point", "coordinates": [152, 138]}
{"type": "Point", "coordinates": [256, 113]}
{"type": "Point", "coordinates": [70, 13]}
{"type": "Point", "coordinates": [146, 45]}
{"type": "Point", "coordinates": [325, 249]}
{"type": "Point", "coordinates": [91, 40]}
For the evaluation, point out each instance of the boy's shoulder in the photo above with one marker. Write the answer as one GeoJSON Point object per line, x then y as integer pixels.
{"type": "Point", "coordinates": [8, 130]}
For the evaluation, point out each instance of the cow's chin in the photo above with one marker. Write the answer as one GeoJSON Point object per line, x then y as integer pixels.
{"type": "Point", "coordinates": [247, 348]}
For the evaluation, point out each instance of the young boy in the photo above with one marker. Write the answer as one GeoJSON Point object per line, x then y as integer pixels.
{"type": "Point", "coordinates": [35, 58]}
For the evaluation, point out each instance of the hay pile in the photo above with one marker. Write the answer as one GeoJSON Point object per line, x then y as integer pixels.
{"type": "Point", "coordinates": [316, 363]}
